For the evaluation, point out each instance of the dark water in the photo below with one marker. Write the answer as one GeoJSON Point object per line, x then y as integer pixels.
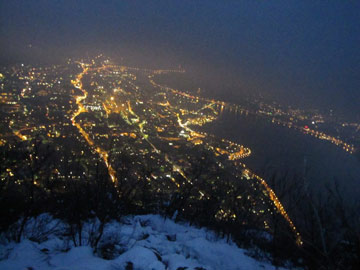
{"type": "Point", "coordinates": [284, 151]}
{"type": "Point", "coordinates": [276, 149]}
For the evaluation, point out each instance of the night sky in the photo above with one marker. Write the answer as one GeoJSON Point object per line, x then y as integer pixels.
{"type": "Point", "coordinates": [303, 53]}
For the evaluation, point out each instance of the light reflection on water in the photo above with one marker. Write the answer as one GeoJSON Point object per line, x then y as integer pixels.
{"type": "Point", "coordinates": [277, 149]}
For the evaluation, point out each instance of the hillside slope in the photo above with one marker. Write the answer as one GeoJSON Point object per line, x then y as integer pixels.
{"type": "Point", "coordinates": [139, 242]}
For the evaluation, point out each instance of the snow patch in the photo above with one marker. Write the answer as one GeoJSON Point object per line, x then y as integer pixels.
{"type": "Point", "coordinates": [138, 243]}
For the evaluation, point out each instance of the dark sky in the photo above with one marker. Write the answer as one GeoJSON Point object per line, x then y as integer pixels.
{"type": "Point", "coordinates": [305, 53]}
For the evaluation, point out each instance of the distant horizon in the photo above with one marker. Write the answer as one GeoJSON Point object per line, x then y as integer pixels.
{"type": "Point", "coordinates": [195, 84]}
{"type": "Point", "coordinates": [238, 116]}
{"type": "Point", "coordinates": [303, 54]}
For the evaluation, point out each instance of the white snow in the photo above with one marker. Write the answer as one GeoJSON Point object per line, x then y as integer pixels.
{"type": "Point", "coordinates": [145, 242]}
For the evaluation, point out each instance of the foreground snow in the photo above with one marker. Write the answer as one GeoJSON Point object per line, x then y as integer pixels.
{"type": "Point", "coordinates": [140, 242]}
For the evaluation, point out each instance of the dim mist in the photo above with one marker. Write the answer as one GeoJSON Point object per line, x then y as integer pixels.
{"type": "Point", "coordinates": [121, 120]}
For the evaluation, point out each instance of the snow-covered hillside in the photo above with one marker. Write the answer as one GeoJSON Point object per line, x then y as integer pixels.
{"type": "Point", "coordinates": [139, 242]}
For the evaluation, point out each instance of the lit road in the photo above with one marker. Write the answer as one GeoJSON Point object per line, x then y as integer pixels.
{"type": "Point", "coordinates": [78, 99]}
{"type": "Point", "coordinates": [124, 107]}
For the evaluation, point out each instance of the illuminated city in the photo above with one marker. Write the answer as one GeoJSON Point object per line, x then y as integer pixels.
{"type": "Point", "coordinates": [179, 135]}
{"type": "Point", "coordinates": [159, 123]}
{"type": "Point", "coordinates": [160, 127]}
